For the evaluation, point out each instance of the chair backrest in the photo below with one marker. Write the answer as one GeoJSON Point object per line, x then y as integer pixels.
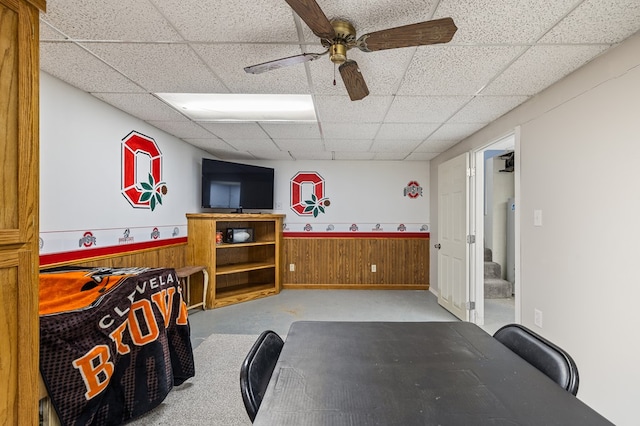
{"type": "Point", "coordinates": [257, 368]}
{"type": "Point", "coordinates": [542, 354]}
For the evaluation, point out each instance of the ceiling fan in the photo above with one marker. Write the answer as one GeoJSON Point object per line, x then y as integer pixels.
{"type": "Point", "coordinates": [339, 35]}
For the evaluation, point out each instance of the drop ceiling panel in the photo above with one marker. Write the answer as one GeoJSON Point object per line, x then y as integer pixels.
{"type": "Point", "coordinates": [229, 60]}
{"type": "Point", "coordinates": [435, 146]}
{"type": "Point", "coordinates": [456, 132]}
{"type": "Point", "coordinates": [182, 129]}
{"type": "Point", "coordinates": [143, 106]}
{"type": "Point", "coordinates": [210, 144]}
{"type": "Point", "coordinates": [394, 145]}
{"type": "Point", "coordinates": [86, 72]}
{"type": "Point", "coordinates": [252, 144]}
{"type": "Point", "coordinates": [299, 144]}
{"type": "Point", "coordinates": [230, 131]}
{"type": "Point", "coordinates": [160, 67]}
{"type": "Point", "coordinates": [271, 155]}
{"type": "Point", "coordinates": [425, 109]}
{"type": "Point", "coordinates": [544, 65]}
{"type": "Point", "coordinates": [348, 145]}
{"type": "Point", "coordinates": [94, 20]}
{"type": "Point", "coordinates": [484, 109]}
{"type": "Point", "coordinates": [291, 130]}
{"type": "Point", "coordinates": [597, 21]}
{"type": "Point", "coordinates": [341, 109]}
{"type": "Point", "coordinates": [390, 156]}
{"type": "Point", "coordinates": [349, 130]}
{"type": "Point", "coordinates": [421, 156]}
{"type": "Point", "coordinates": [353, 155]}
{"type": "Point", "coordinates": [303, 155]}
{"type": "Point", "coordinates": [399, 131]}
{"type": "Point", "coordinates": [497, 22]}
{"type": "Point", "coordinates": [239, 21]}
{"type": "Point", "coordinates": [232, 155]}
{"type": "Point", "coordinates": [455, 70]}
{"type": "Point", "coordinates": [49, 33]}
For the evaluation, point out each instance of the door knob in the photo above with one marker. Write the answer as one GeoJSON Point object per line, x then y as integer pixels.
{"type": "Point", "coordinates": [437, 246]}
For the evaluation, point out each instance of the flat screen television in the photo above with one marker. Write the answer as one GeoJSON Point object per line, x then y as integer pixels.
{"type": "Point", "coordinates": [227, 185]}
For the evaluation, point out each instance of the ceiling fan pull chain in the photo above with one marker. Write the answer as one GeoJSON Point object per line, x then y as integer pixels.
{"type": "Point", "coordinates": [334, 74]}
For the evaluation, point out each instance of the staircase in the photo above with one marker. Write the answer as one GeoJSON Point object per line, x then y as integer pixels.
{"type": "Point", "coordinates": [494, 286]}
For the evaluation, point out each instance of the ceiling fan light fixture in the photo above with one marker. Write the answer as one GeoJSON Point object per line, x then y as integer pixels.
{"type": "Point", "coordinates": [338, 53]}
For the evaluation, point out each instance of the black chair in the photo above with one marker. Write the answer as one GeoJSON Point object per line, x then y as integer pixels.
{"type": "Point", "coordinates": [542, 354]}
{"type": "Point", "coordinates": [257, 368]}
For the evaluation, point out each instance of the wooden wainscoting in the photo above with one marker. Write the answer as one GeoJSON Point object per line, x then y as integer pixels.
{"type": "Point", "coordinates": [401, 263]}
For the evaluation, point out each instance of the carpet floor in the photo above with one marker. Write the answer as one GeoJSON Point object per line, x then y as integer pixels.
{"type": "Point", "coordinates": [212, 397]}
{"type": "Point", "coordinates": [222, 337]}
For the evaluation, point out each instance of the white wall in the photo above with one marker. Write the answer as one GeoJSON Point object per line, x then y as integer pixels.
{"type": "Point", "coordinates": [579, 152]}
{"type": "Point", "coordinates": [80, 172]}
{"type": "Point", "coordinates": [361, 192]}
{"type": "Point", "coordinates": [80, 180]}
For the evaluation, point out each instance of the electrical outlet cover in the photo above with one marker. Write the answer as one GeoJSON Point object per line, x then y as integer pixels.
{"type": "Point", "coordinates": [537, 317]}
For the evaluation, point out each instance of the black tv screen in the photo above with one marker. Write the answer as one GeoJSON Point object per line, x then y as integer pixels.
{"type": "Point", "coordinates": [227, 185]}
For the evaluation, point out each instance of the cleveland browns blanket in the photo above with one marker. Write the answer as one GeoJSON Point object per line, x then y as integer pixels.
{"type": "Point", "coordinates": [113, 342]}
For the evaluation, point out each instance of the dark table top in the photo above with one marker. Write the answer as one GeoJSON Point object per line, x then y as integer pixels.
{"type": "Point", "coordinates": [409, 373]}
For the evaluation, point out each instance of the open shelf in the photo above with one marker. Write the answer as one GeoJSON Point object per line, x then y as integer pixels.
{"type": "Point", "coordinates": [236, 245]}
{"type": "Point", "coordinates": [243, 289]}
{"type": "Point", "coordinates": [243, 293]}
{"type": "Point", "coordinates": [238, 271]}
{"type": "Point", "coordinates": [243, 267]}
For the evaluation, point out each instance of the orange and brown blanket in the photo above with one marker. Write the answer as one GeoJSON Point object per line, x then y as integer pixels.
{"type": "Point", "coordinates": [113, 342]}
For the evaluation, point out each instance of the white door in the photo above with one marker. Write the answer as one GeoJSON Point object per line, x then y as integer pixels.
{"type": "Point", "coordinates": [453, 254]}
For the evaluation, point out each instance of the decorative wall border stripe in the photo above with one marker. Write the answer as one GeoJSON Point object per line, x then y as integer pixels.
{"type": "Point", "coordinates": [356, 234]}
{"type": "Point", "coordinates": [54, 258]}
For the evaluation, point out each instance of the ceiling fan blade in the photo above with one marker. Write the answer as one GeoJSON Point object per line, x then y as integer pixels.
{"type": "Point", "coordinates": [353, 80]}
{"type": "Point", "coordinates": [420, 34]}
{"type": "Point", "coordinates": [314, 17]}
{"type": "Point", "coordinates": [284, 62]}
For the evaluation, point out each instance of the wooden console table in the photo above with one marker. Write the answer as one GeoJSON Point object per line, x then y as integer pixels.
{"type": "Point", "coordinates": [184, 275]}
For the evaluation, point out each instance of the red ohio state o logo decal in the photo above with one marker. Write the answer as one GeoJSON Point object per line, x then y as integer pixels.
{"type": "Point", "coordinates": [307, 194]}
{"type": "Point", "coordinates": [140, 154]}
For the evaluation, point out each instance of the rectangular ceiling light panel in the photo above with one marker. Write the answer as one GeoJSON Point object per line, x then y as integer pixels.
{"type": "Point", "coordinates": [242, 107]}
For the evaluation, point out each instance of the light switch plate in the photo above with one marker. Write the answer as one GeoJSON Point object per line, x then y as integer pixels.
{"type": "Point", "coordinates": [537, 218]}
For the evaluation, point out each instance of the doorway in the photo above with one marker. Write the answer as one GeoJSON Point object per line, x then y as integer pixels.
{"type": "Point", "coordinates": [494, 209]}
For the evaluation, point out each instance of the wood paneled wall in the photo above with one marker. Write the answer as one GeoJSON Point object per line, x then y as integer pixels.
{"type": "Point", "coordinates": [173, 256]}
{"type": "Point", "coordinates": [401, 263]}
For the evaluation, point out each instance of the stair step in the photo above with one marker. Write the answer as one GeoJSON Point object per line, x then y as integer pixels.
{"type": "Point", "coordinates": [495, 288]}
{"type": "Point", "coordinates": [492, 270]}
{"type": "Point", "coordinates": [488, 256]}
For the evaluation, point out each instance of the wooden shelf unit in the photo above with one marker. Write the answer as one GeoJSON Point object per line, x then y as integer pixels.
{"type": "Point", "coordinates": [237, 271]}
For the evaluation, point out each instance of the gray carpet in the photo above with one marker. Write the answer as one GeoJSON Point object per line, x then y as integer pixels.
{"type": "Point", "coordinates": [212, 397]}
{"type": "Point", "coordinates": [222, 338]}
